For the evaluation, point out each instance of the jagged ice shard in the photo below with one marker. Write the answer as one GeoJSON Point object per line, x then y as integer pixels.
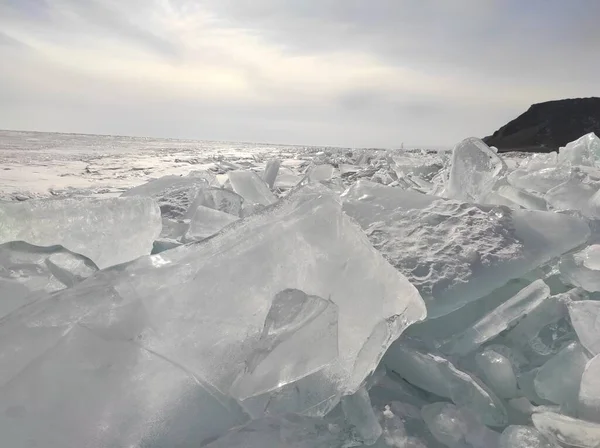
{"type": "Point", "coordinates": [156, 345]}
{"type": "Point", "coordinates": [107, 231]}
{"type": "Point", "coordinates": [474, 170]}
{"type": "Point", "coordinates": [455, 252]}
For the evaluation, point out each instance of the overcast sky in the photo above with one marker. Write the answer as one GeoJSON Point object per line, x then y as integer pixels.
{"type": "Point", "coordinates": [331, 72]}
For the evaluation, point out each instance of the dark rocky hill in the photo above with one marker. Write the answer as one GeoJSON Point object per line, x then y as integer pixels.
{"type": "Point", "coordinates": [545, 127]}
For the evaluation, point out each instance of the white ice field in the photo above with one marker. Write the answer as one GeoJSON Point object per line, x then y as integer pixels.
{"type": "Point", "coordinates": [163, 294]}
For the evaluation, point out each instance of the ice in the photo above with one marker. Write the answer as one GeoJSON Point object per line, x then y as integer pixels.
{"type": "Point", "coordinates": [568, 431]}
{"type": "Point", "coordinates": [474, 170]}
{"type": "Point", "coordinates": [271, 171]}
{"type": "Point", "coordinates": [540, 161]}
{"type": "Point", "coordinates": [294, 326]}
{"type": "Point", "coordinates": [527, 335]}
{"type": "Point", "coordinates": [251, 187]}
{"type": "Point", "coordinates": [320, 173]}
{"type": "Point", "coordinates": [497, 372]}
{"type": "Point", "coordinates": [583, 268]}
{"type": "Point", "coordinates": [558, 380]}
{"type": "Point", "coordinates": [574, 194]}
{"type": "Point", "coordinates": [359, 413]}
{"type": "Point", "coordinates": [585, 317]}
{"type": "Point", "coordinates": [455, 252]}
{"type": "Point", "coordinates": [583, 151]}
{"type": "Point", "coordinates": [92, 391]}
{"type": "Point", "coordinates": [107, 231]}
{"type": "Point", "coordinates": [206, 222]}
{"type": "Point", "coordinates": [436, 374]}
{"type": "Point", "coordinates": [286, 179]}
{"type": "Point", "coordinates": [29, 272]}
{"type": "Point", "coordinates": [500, 319]}
{"type": "Point", "coordinates": [178, 327]}
{"type": "Point", "coordinates": [524, 437]}
{"type": "Point", "coordinates": [289, 431]}
{"type": "Point", "coordinates": [174, 194]}
{"type": "Point", "coordinates": [225, 201]}
{"type": "Point", "coordinates": [589, 392]}
{"type": "Point", "coordinates": [457, 428]}
{"type": "Point", "coordinates": [542, 180]}
{"type": "Point", "coordinates": [522, 198]}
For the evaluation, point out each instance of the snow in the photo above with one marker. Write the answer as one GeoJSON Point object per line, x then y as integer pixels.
{"type": "Point", "coordinates": [164, 293]}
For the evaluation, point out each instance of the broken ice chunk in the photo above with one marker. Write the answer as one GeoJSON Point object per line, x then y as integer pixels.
{"type": "Point", "coordinates": [206, 222]}
{"type": "Point", "coordinates": [527, 335]}
{"type": "Point", "coordinates": [474, 170]}
{"type": "Point", "coordinates": [270, 173]}
{"type": "Point", "coordinates": [522, 198]}
{"type": "Point", "coordinates": [558, 380]}
{"type": "Point", "coordinates": [589, 392]}
{"type": "Point", "coordinates": [225, 201]}
{"type": "Point", "coordinates": [438, 375]}
{"type": "Point", "coordinates": [500, 319]}
{"type": "Point", "coordinates": [320, 173]}
{"type": "Point", "coordinates": [568, 431]}
{"type": "Point", "coordinates": [498, 373]}
{"type": "Point", "coordinates": [174, 194]}
{"type": "Point", "coordinates": [107, 231]}
{"type": "Point", "coordinates": [541, 181]}
{"type": "Point", "coordinates": [574, 194]}
{"type": "Point", "coordinates": [454, 252]}
{"type": "Point", "coordinates": [286, 179]}
{"type": "Point", "coordinates": [285, 352]}
{"type": "Point", "coordinates": [90, 391]}
{"type": "Point", "coordinates": [585, 317]}
{"type": "Point", "coordinates": [289, 431]}
{"type": "Point", "coordinates": [359, 413]}
{"type": "Point", "coordinates": [583, 151]}
{"type": "Point", "coordinates": [524, 437]}
{"type": "Point", "coordinates": [183, 306]}
{"type": "Point", "coordinates": [582, 268]}
{"type": "Point", "coordinates": [28, 271]}
{"type": "Point", "coordinates": [457, 428]}
{"type": "Point", "coordinates": [251, 187]}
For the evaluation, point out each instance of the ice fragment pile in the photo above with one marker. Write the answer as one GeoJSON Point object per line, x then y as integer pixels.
{"type": "Point", "coordinates": [326, 298]}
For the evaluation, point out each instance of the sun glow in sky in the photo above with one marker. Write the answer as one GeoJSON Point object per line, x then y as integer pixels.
{"type": "Point", "coordinates": [331, 72]}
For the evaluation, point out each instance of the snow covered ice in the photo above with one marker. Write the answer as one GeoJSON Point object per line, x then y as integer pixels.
{"type": "Point", "coordinates": [305, 297]}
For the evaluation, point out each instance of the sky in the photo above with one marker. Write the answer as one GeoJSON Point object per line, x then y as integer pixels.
{"type": "Point", "coordinates": [357, 73]}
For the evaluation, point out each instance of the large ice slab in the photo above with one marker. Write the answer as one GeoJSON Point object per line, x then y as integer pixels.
{"type": "Point", "coordinates": [29, 272]}
{"type": "Point", "coordinates": [206, 222]}
{"type": "Point", "coordinates": [524, 437]}
{"type": "Point", "coordinates": [542, 180]}
{"type": "Point", "coordinates": [583, 151]}
{"type": "Point", "coordinates": [500, 319]}
{"type": "Point", "coordinates": [458, 428]}
{"type": "Point", "coordinates": [201, 309]}
{"type": "Point", "coordinates": [568, 431]}
{"type": "Point", "coordinates": [455, 252]}
{"type": "Point", "coordinates": [558, 380]}
{"type": "Point", "coordinates": [582, 268]}
{"type": "Point", "coordinates": [251, 187]}
{"type": "Point", "coordinates": [174, 194]}
{"type": "Point", "coordinates": [474, 170]}
{"type": "Point", "coordinates": [107, 231]}
{"type": "Point", "coordinates": [589, 392]}
{"type": "Point", "coordinates": [585, 318]}
{"type": "Point", "coordinates": [436, 374]}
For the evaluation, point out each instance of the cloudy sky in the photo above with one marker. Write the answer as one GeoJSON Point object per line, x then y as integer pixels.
{"type": "Point", "coordinates": [331, 72]}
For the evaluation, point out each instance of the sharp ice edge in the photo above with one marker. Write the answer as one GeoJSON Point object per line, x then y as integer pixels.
{"type": "Point", "coordinates": [280, 324]}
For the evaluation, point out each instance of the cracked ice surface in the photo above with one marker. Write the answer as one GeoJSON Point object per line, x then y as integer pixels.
{"type": "Point", "coordinates": [455, 252]}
